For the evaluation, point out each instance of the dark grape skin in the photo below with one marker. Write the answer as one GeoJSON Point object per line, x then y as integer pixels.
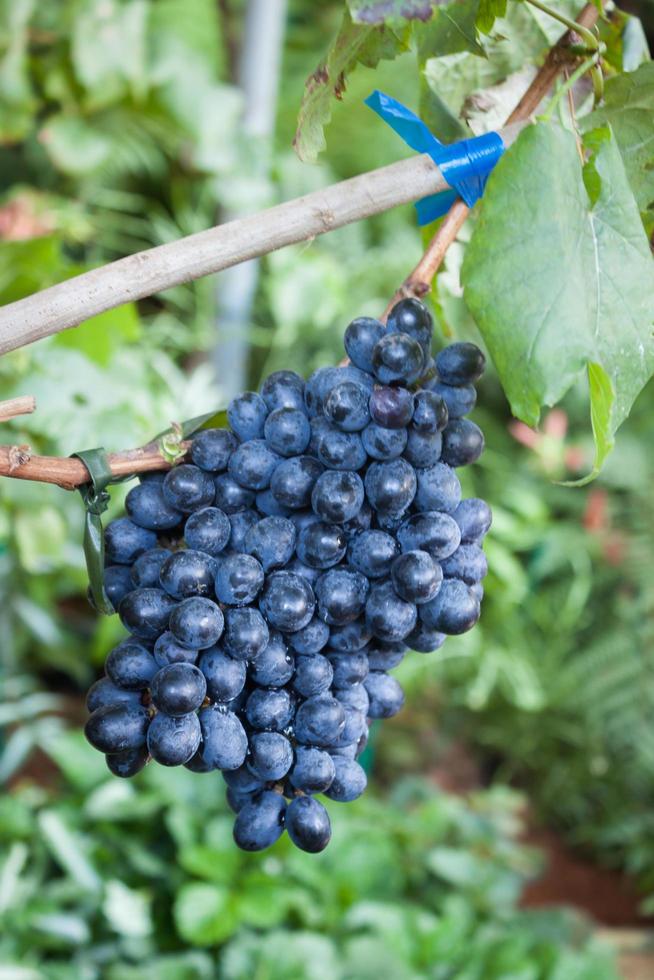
{"type": "Point", "coordinates": [271, 756]}
{"type": "Point", "coordinates": [341, 450]}
{"type": "Point", "coordinates": [224, 741]}
{"type": "Point", "coordinates": [275, 665]}
{"type": "Point", "coordinates": [124, 541]}
{"type": "Point", "coordinates": [261, 822]}
{"type": "Point", "coordinates": [104, 692]}
{"type": "Point", "coordinates": [341, 596]}
{"type": "Point", "coordinates": [168, 651]}
{"type": "Point", "coordinates": [346, 406]}
{"type": "Point", "coordinates": [208, 530]}
{"type": "Point", "coordinates": [173, 741]}
{"type": "Point", "coordinates": [391, 408]}
{"type": "Point", "coordinates": [146, 612]}
{"type": "Point", "coordinates": [460, 364]}
{"type": "Point", "coordinates": [252, 465]}
{"type": "Point", "coordinates": [230, 495]}
{"type": "Point", "coordinates": [455, 609]}
{"type": "Point", "coordinates": [349, 780]}
{"type": "Point", "coordinates": [197, 623]}
{"type": "Point", "coordinates": [117, 727]}
{"type": "Point", "coordinates": [361, 335]}
{"type": "Point", "coordinates": [313, 675]}
{"type": "Point", "coordinates": [463, 443]}
{"type": "Point", "coordinates": [131, 666]}
{"type": "Point", "coordinates": [307, 824]}
{"type": "Point", "coordinates": [351, 637]}
{"type": "Point", "coordinates": [313, 770]}
{"type": "Point", "coordinates": [338, 496]}
{"type": "Point", "coordinates": [283, 389]}
{"type": "Point", "coordinates": [438, 489]}
{"type": "Point", "coordinates": [389, 617]}
{"type": "Point", "coordinates": [397, 359]}
{"type": "Point", "coordinates": [269, 710]}
{"type": "Point", "coordinates": [383, 444]}
{"type": "Point", "coordinates": [242, 780]}
{"type": "Point", "coordinates": [431, 531]}
{"type": "Point", "coordinates": [321, 545]}
{"type": "Point", "coordinates": [372, 553]}
{"type": "Point", "coordinates": [146, 505]}
{"type": "Point", "coordinates": [178, 689]}
{"type": "Point", "coordinates": [354, 696]}
{"type": "Point", "coordinates": [416, 576]}
{"type": "Point", "coordinates": [225, 677]}
{"type": "Point", "coordinates": [211, 449]}
{"type": "Point", "coordinates": [391, 487]}
{"type": "Point", "coordinates": [467, 563]}
{"type": "Point", "coordinates": [386, 695]}
{"type": "Point", "coordinates": [319, 720]}
{"type": "Point", "coordinates": [423, 639]}
{"type": "Point", "coordinates": [240, 523]}
{"type": "Point", "coordinates": [412, 317]}
{"type": "Point", "coordinates": [146, 568]}
{"type": "Point", "coordinates": [423, 449]}
{"type": "Point", "coordinates": [246, 633]}
{"type": "Point", "coordinates": [272, 542]}
{"type": "Point", "coordinates": [117, 583]}
{"type": "Point", "coordinates": [386, 656]}
{"type": "Point", "coordinates": [188, 573]}
{"type": "Point", "coordinates": [293, 480]}
{"type": "Point", "coordinates": [269, 506]}
{"type": "Point", "coordinates": [430, 412]}
{"type": "Point", "coordinates": [128, 763]}
{"type": "Point", "coordinates": [311, 638]}
{"type": "Point", "coordinates": [239, 579]}
{"type": "Point", "coordinates": [474, 519]}
{"type": "Point", "coordinates": [349, 668]}
{"type": "Point", "coordinates": [459, 400]}
{"type": "Point", "coordinates": [188, 488]}
{"type": "Point", "coordinates": [287, 431]}
{"type": "Point", "coordinates": [246, 415]}
{"type": "Point", "coordinates": [287, 601]}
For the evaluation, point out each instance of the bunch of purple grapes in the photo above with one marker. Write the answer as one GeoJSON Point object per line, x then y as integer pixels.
{"type": "Point", "coordinates": [271, 583]}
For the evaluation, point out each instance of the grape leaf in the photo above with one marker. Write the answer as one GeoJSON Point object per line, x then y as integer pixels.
{"type": "Point", "coordinates": [450, 30]}
{"type": "Point", "coordinates": [488, 11]}
{"type": "Point", "coordinates": [629, 109]}
{"type": "Point", "coordinates": [559, 278]}
{"type": "Point", "coordinates": [354, 44]}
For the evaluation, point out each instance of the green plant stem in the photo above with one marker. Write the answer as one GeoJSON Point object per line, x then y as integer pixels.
{"type": "Point", "coordinates": [567, 85]}
{"type": "Point", "coordinates": [591, 41]}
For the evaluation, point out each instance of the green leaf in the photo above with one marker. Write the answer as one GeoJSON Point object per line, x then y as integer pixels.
{"type": "Point", "coordinates": [561, 283]}
{"type": "Point", "coordinates": [18, 102]}
{"type": "Point", "coordinates": [126, 910]}
{"type": "Point", "coordinates": [204, 914]}
{"type": "Point", "coordinates": [489, 10]}
{"type": "Point", "coordinates": [99, 337]}
{"type": "Point", "coordinates": [396, 12]}
{"type": "Point", "coordinates": [354, 45]}
{"type": "Point", "coordinates": [452, 29]}
{"type": "Point", "coordinates": [109, 48]}
{"type": "Point", "coordinates": [629, 109]}
{"type": "Point", "coordinates": [66, 848]}
{"type": "Point", "coordinates": [74, 145]}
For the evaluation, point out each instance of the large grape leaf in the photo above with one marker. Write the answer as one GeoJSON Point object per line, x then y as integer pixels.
{"type": "Point", "coordinates": [560, 279]}
{"type": "Point", "coordinates": [489, 10]}
{"type": "Point", "coordinates": [355, 44]}
{"type": "Point", "coordinates": [628, 108]}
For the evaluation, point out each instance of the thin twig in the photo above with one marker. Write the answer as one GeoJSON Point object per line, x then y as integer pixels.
{"type": "Point", "coordinates": [23, 405]}
{"type": "Point", "coordinates": [419, 282]}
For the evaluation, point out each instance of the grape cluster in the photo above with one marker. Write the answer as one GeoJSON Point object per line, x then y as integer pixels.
{"type": "Point", "coordinates": [270, 584]}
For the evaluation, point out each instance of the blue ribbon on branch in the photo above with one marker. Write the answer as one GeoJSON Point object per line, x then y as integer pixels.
{"type": "Point", "coordinates": [465, 165]}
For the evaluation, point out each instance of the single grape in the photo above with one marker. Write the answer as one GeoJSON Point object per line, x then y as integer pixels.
{"type": "Point", "coordinates": [272, 542]}
{"type": "Point", "coordinates": [463, 443]}
{"type": "Point", "coordinates": [261, 822]}
{"type": "Point", "coordinates": [390, 487]}
{"type": "Point", "coordinates": [307, 823]}
{"type": "Point", "coordinates": [311, 638]}
{"type": "Point", "coordinates": [468, 563]}
{"type": "Point", "coordinates": [269, 709]}
{"type": "Point", "coordinates": [350, 637]}
{"type": "Point", "coordinates": [412, 317]}
{"type": "Point", "coordinates": [386, 695]}
{"type": "Point", "coordinates": [252, 465]}
{"type": "Point", "coordinates": [346, 406]}
{"type": "Point", "coordinates": [127, 763]}
{"type": "Point", "coordinates": [474, 518]}
{"type": "Point", "coordinates": [372, 553]}
{"type": "Point", "coordinates": [117, 727]}
{"type": "Point", "coordinates": [454, 610]}
{"type": "Point", "coordinates": [287, 601]}
{"type": "Point", "coordinates": [188, 573]}
{"type": "Point", "coordinates": [341, 450]}
{"type": "Point", "coordinates": [178, 689]}
{"type": "Point", "coordinates": [313, 675]}
{"type": "Point", "coordinates": [460, 364]}
{"type": "Point", "coordinates": [293, 480]}
{"type": "Point", "coordinates": [246, 415]}
{"type": "Point", "coordinates": [271, 756]}
{"type": "Point", "coordinates": [383, 444]}
{"type": "Point", "coordinates": [423, 639]}
{"type": "Point", "coordinates": [430, 412]}
{"type": "Point", "coordinates": [283, 389]}
{"type": "Point", "coordinates": [416, 576]}
{"type": "Point", "coordinates": [104, 692]}
{"type": "Point", "coordinates": [354, 696]}
{"type": "Point", "coordinates": [349, 668]}
{"type": "Point", "coordinates": [287, 431]}
{"type": "Point", "coordinates": [131, 666]}
{"type": "Point", "coordinates": [431, 531]}
{"type": "Point", "coordinates": [168, 651]}
{"type": "Point", "coordinates": [145, 612]}
{"type": "Point", "coordinates": [246, 633]}
{"type": "Point", "coordinates": [355, 728]}
{"type": "Point", "coordinates": [321, 545]}
{"type": "Point", "coordinates": [198, 764]}
{"type": "Point", "coordinates": [341, 595]}
{"type": "Point", "coordinates": [389, 617]}
{"type": "Point", "coordinates": [438, 489]}
{"type": "Point", "coordinates": [146, 568]}
{"type": "Point", "coordinates": [239, 580]}
{"type": "Point", "coordinates": [391, 408]}
{"type": "Point", "coordinates": [147, 507]}
{"type": "Point", "coordinates": [338, 496]}
{"type": "Point", "coordinates": [313, 770]}
{"type": "Point", "coordinates": [224, 742]}
{"type": "Point", "coordinates": [173, 741]}
{"type": "Point", "coordinates": [225, 676]}
{"type": "Point", "coordinates": [397, 359]}
{"type": "Point", "coordinates": [208, 530]}
{"type": "Point", "coordinates": [386, 656]}
{"type": "Point", "coordinates": [423, 449]}
{"type": "Point", "coordinates": [188, 488]}
{"type": "Point", "coordinates": [460, 400]}
{"type": "Point", "coordinates": [275, 665]}
{"type": "Point", "coordinates": [320, 720]}
{"type": "Point", "coordinates": [124, 541]}
{"type": "Point", "coordinates": [230, 495]}
{"type": "Point", "coordinates": [360, 338]}
{"type": "Point", "coordinates": [197, 623]}
{"type": "Point", "coordinates": [117, 583]}
{"type": "Point", "coordinates": [349, 780]}
{"type": "Point", "coordinates": [242, 780]}
{"type": "Point", "coordinates": [211, 449]}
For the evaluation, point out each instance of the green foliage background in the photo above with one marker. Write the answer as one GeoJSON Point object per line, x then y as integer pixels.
{"type": "Point", "coordinates": [119, 129]}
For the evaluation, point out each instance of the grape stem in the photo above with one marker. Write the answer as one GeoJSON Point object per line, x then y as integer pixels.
{"type": "Point", "coordinates": [17, 320]}
{"type": "Point", "coordinates": [23, 405]}
{"type": "Point", "coordinates": [419, 282]}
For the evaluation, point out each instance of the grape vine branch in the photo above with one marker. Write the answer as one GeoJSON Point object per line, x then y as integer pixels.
{"type": "Point", "coordinates": [69, 303]}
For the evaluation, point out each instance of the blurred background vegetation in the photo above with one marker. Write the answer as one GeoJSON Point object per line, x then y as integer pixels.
{"type": "Point", "coordinates": [120, 128]}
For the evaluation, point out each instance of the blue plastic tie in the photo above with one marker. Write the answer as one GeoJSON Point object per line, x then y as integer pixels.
{"type": "Point", "coordinates": [465, 165]}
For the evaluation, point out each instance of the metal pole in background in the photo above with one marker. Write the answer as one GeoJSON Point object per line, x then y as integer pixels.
{"type": "Point", "coordinates": [258, 76]}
